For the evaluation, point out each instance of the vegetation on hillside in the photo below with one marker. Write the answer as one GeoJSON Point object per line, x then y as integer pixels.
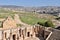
{"type": "Point", "coordinates": [46, 23]}
{"type": "Point", "coordinates": [29, 18]}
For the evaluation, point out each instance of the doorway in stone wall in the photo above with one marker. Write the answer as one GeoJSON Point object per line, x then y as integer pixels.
{"type": "Point", "coordinates": [28, 34]}
{"type": "Point", "coordinates": [14, 37]}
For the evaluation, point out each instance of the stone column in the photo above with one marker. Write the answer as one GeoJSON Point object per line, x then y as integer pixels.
{"type": "Point", "coordinates": [2, 35]}
{"type": "Point", "coordinates": [18, 34]}
{"type": "Point", "coordinates": [33, 32]}
{"type": "Point", "coordinates": [25, 31]}
{"type": "Point", "coordinates": [11, 35]}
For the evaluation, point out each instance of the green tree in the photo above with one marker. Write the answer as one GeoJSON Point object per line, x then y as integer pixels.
{"type": "Point", "coordinates": [49, 24]}
{"type": "Point", "coordinates": [46, 23]}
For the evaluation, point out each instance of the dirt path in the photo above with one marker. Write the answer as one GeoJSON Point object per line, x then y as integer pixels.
{"type": "Point", "coordinates": [18, 21]}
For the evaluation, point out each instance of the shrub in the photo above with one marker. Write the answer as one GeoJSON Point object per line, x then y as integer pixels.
{"type": "Point", "coordinates": [47, 23]}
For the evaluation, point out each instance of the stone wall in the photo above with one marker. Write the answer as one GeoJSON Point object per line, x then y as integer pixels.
{"type": "Point", "coordinates": [18, 33]}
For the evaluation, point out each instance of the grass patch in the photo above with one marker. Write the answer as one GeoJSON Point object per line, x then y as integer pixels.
{"type": "Point", "coordinates": [30, 19]}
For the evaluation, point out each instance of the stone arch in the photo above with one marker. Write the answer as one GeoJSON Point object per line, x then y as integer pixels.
{"type": "Point", "coordinates": [14, 37]}
{"type": "Point", "coordinates": [5, 34]}
{"type": "Point", "coordinates": [20, 32]}
{"type": "Point", "coordinates": [28, 34]}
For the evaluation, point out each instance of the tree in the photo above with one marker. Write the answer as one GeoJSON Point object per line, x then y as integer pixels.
{"type": "Point", "coordinates": [46, 24]}
{"type": "Point", "coordinates": [49, 24]}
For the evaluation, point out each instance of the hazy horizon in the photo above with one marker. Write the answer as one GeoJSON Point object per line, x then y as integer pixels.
{"type": "Point", "coordinates": [31, 3]}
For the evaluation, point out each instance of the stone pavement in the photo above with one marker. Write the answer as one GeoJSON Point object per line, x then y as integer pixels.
{"type": "Point", "coordinates": [32, 38]}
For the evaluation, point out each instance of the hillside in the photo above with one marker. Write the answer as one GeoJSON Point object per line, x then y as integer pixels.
{"type": "Point", "coordinates": [29, 18]}
{"type": "Point", "coordinates": [26, 17]}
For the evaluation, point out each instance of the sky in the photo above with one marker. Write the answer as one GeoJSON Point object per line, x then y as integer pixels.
{"type": "Point", "coordinates": [31, 2]}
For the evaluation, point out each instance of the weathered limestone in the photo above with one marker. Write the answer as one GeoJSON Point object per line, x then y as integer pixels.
{"type": "Point", "coordinates": [9, 23]}
{"type": "Point", "coordinates": [19, 33]}
{"type": "Point", "coordinates": [1, 35]}
{"type": "Point", "coordinates": [10, 30]}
